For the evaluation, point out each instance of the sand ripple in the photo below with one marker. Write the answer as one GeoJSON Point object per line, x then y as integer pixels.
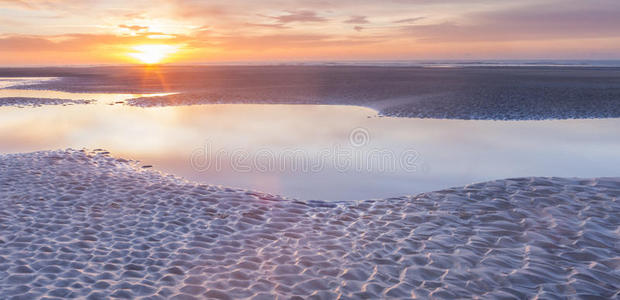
{"type": "Point", "coordinates": [85, 225]}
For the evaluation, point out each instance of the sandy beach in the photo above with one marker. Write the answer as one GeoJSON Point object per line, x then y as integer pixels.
{"type": "Point", "coordinates": [290, 150]}
{"type": "Point", "coordinates": [85, 224]}
{"type": "Point", "coordinates": [481, 93]}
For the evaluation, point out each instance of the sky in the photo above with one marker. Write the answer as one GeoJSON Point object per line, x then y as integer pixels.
{"type": "Point", "coordinates": [75, 32]}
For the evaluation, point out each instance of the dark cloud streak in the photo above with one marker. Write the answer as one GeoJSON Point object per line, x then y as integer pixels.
{"type": "Point", "coordinates": [408, 20]}
{"type": "Point", "coordinates": [357, 20]}
{"type": "Point", "coordinates": [302, 16]}
{"type": "Point", "coordinates": [268, 25]}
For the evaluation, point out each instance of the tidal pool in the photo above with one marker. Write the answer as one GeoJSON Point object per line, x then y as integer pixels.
{"type": "Point", "coordinates": [323, 152]}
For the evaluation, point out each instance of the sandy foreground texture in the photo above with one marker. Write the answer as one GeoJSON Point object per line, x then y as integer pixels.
{"type": "Point", "coordinates": [84, 224]}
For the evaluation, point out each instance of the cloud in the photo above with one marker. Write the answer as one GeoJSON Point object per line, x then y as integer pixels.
{"type": "Point", "coordinates": [55, 6]}
{"type": "Point", "coordinates": [357, 20]}
{"type": "Point", "coordinates": [24, 43]}
{"type": "Point", "coordinates": [17, 3]}
{"type": "Point", "coordinates": [134, 15]}
{"type": "Point", "coordinates": [28, 4]}
{"type": "Point", "coordinates": [83, 42]}
{"type": "Point", "coordinates": [88, 43]}
{"type": "Point", "coordinates": [134, 27]}
{"type": "Point", "coordinates": [11, 22]}
{"type": "Point", "coordinates": [534, 22]}
{"type": "Point", "coordinates": [299, 16]}
{"type": "Point", "coordinates": [275, 28]}
{"type": "Point", "coordinates": [268, 42]}
{"type": "Point", "coordinates": [408, 20]}
{"type": "Point", "coordinates": [268, 25]}
{"type": "Point", "coordinates": [191, 9]}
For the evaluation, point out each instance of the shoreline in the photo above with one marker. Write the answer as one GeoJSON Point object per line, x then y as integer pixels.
{"type": "Point", "coordinates": [479, 93]}
{"type": "Point", "coordinates": [84, 224]}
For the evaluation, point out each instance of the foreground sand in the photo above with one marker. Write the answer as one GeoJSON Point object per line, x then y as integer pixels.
{"type": "Point", "coordinates": [83, 224]}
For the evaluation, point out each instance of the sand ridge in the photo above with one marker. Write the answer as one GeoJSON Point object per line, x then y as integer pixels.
{"type": "Point", "coordinates": [84, 224]}
{"type": "Point", "coordinates": [35, 102]}
{"type": "Point", "coordinates": [485, 93]}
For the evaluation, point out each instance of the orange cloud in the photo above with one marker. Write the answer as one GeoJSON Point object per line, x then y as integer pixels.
{"type": "Point", "coordinates": [134, 27]}
{"type": "Point", "coordinates": [74, 31]}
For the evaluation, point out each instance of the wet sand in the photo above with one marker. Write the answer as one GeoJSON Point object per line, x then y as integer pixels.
{"type": "Point", "coordinates": [84, 224]}
{"type": "Point", "coordinates": [496, 93]}
{"type": "Point", "coordinates": [34, 102]}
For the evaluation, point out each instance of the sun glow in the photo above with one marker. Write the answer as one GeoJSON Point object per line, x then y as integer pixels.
{"type": "Point", "coordinates": [152, 54]}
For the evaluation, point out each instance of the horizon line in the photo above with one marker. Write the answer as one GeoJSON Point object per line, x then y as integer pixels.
{"type": "Point", "coordinates": [370, 62]}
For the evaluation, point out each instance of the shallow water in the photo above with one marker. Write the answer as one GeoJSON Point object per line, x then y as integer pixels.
{"type": "Point", "coordinates": [102, 98]}
{"type": "Point", "coordinates": [6, 82]}
{"type": "Point", "coordinates": [314, 151]}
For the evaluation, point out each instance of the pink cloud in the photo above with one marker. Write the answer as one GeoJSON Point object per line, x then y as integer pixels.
{"type": "Point", "coordinates": [299, 16]}
{"type": "Point", "coordinates": [357, 20]}
{"type": "Point", "coordinates": [134, 27]}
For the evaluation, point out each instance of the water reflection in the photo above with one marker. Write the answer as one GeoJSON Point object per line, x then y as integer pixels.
{"type": "Point", "coordinates": [451, 152]}
{"type": "Point", "coordinates": [102, 98]}
{"type": "Point", "coordinates": [6, 82]}
{"type": "Point", "coordinates": [6, 91]}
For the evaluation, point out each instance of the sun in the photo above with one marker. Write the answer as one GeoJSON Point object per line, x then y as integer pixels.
{"type": "Point", "coordinates": [152, 53]}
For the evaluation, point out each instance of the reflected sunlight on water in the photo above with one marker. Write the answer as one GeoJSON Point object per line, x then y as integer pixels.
{"type": "Point", "coordinates": [6, 82]}
{"type": "Point", "coordinates": [100, 97]}
{"type": "Point", "coordinates": [105, 98]}
{"type": "Point", "coordinates": [449, 152]}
